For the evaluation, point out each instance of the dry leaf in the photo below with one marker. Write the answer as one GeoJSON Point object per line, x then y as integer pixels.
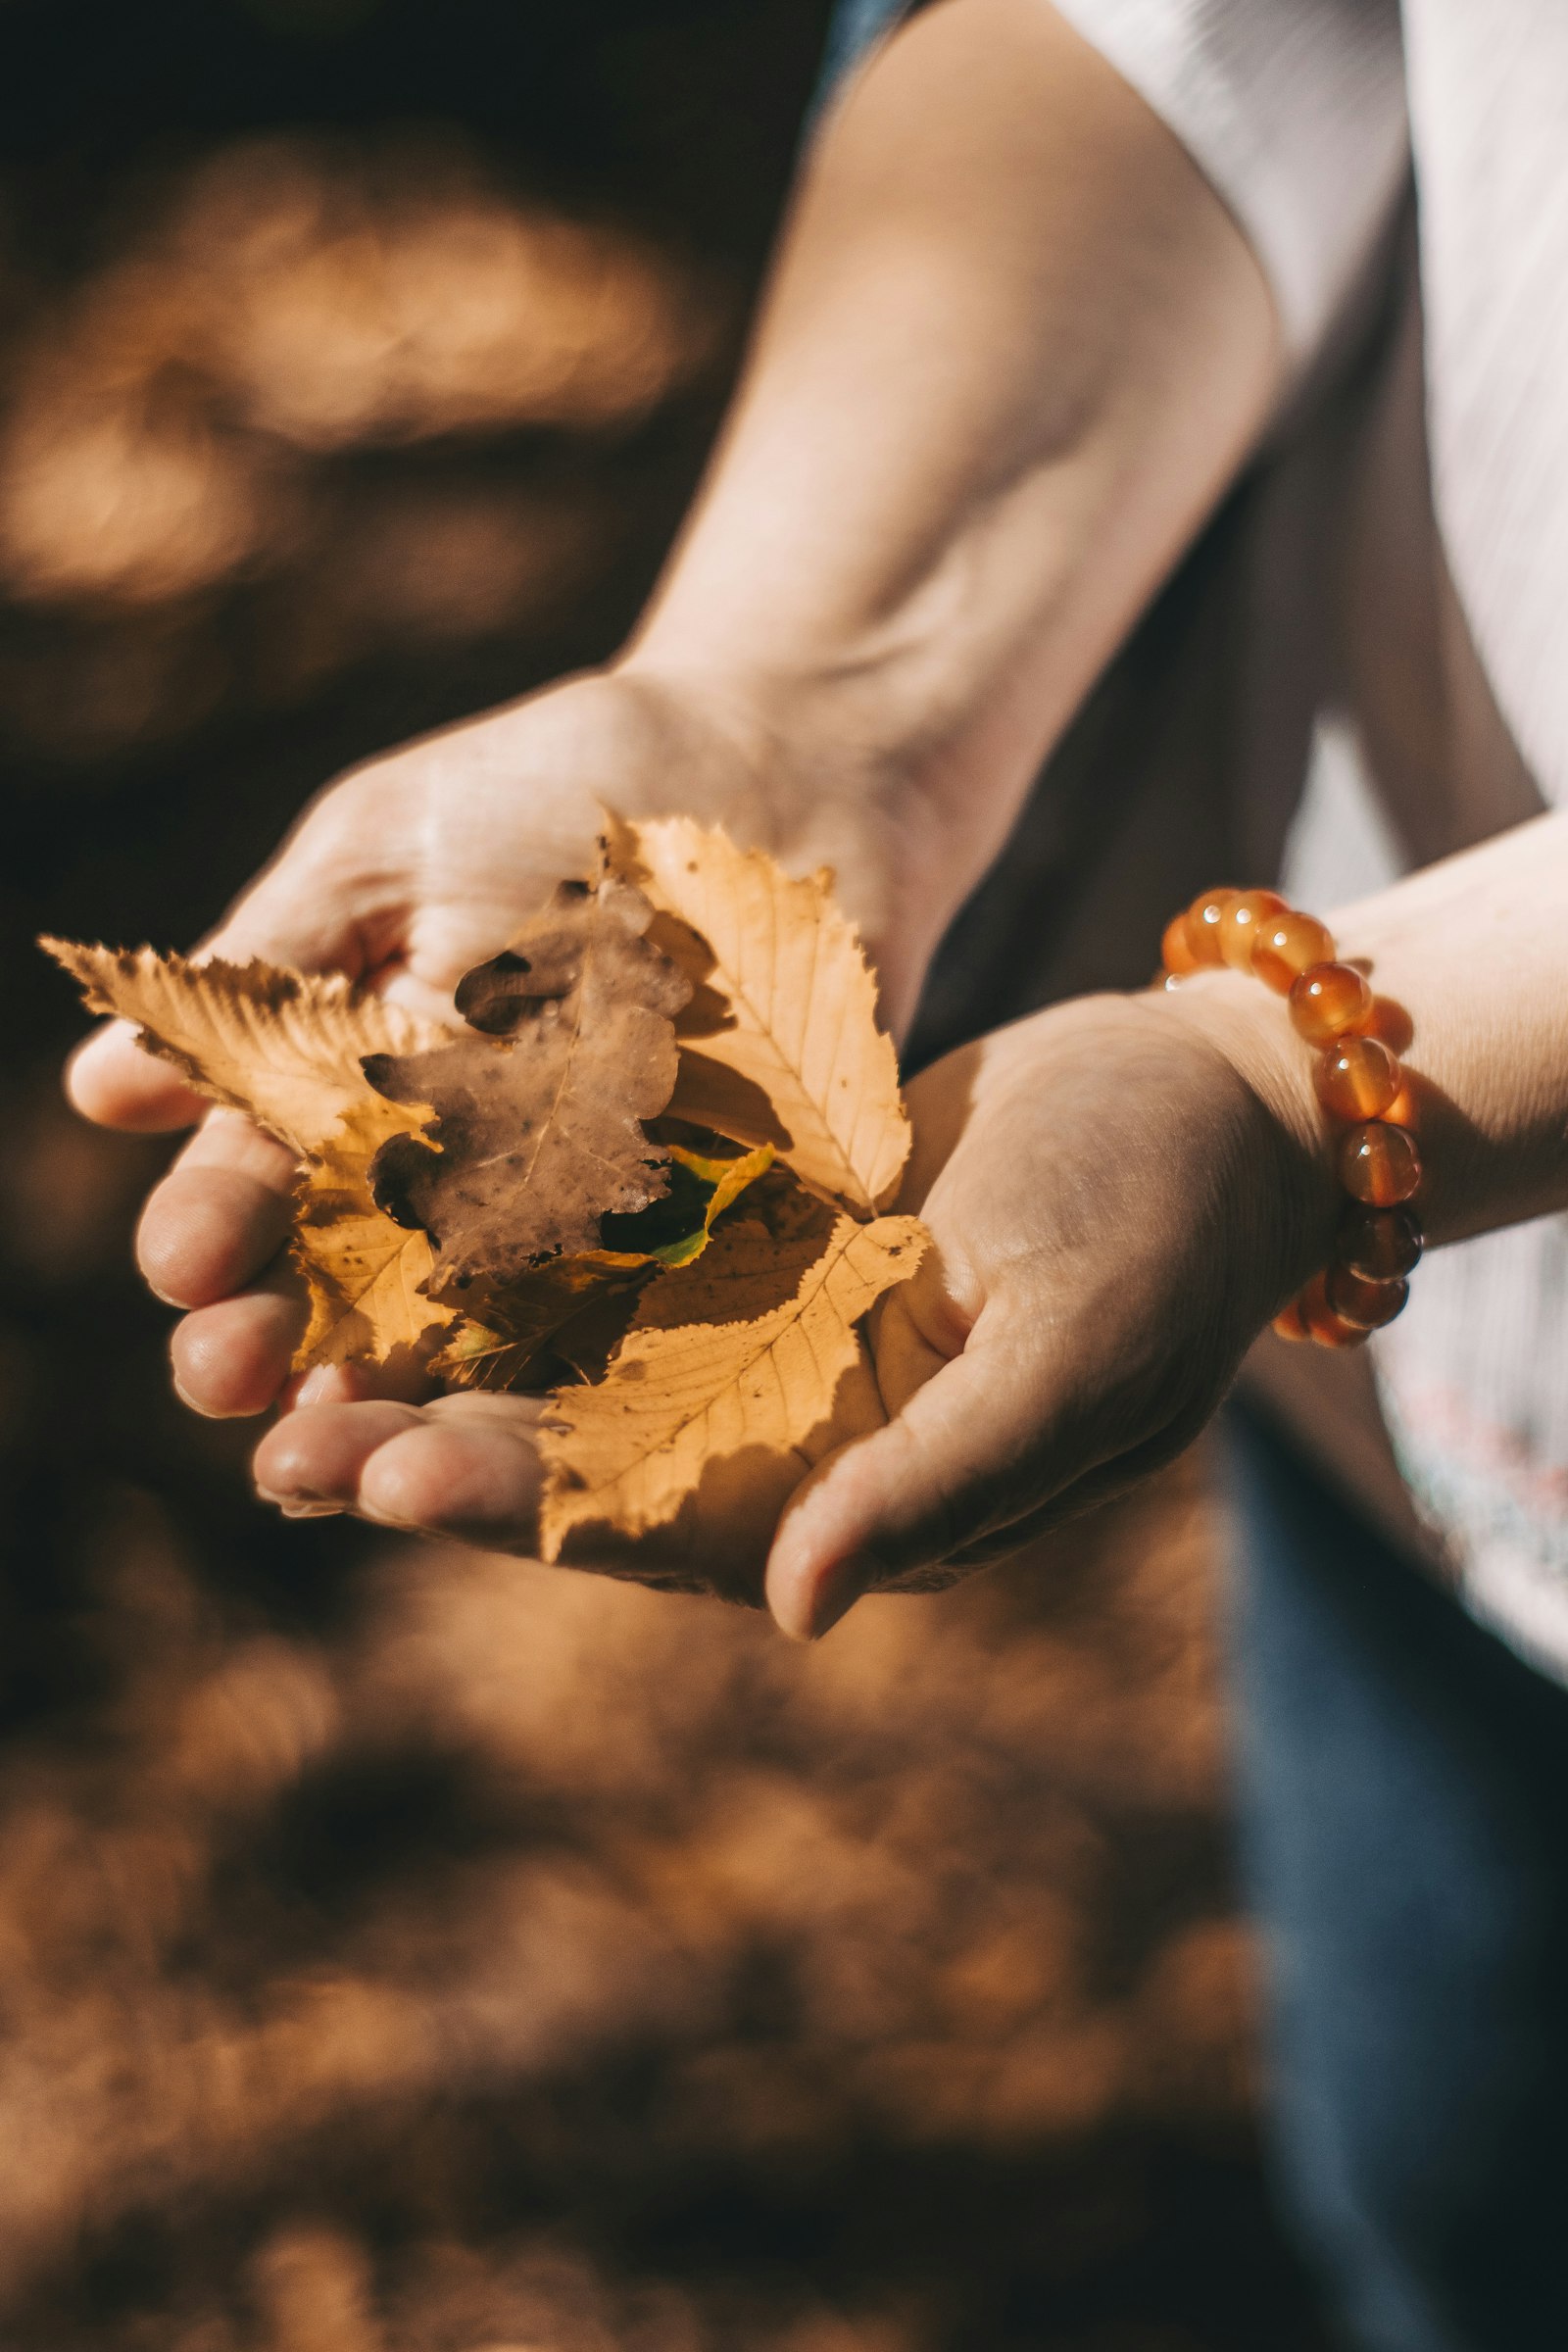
{"type": "Point", "coordinates": [501, 1342]}
{"type": "Point", "coordinates": [365, 1275]}
{"type": "Point", "coordinates": [551, 1202]}
{"type": "Point", "coordinates": [539, 1134]}
{"type": "Point", "coordinates": [780, 1042]}
{"type": "Point", "coordinates": [282, 1046]}
{"type": "Point", "coordinates": [285, 1049]}
{"type": "Point", "coordinates": [508, 1335]}
{"type": "Point", "coordinates": [703, 1184]}
{"type": "Point", "coordinates": [747, 1349]}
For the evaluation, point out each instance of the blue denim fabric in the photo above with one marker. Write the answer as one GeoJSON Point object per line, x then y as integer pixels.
{"type": "Point", "coordinates": [856, 24]}
{"type": "Point", "coordinates": [1405, 1803]}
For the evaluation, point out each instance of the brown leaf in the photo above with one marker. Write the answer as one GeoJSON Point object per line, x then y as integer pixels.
{"type": "Point", "coordinates": [504, 1337]}
{"type": "Point", "coordinates": [539, 1135]}
{"type": "Point", "coordinates": [747, 1352]}
{"type": "Point", "coordinates": [502, 1343]}
{"type": "Point", "coordinates": [780, 1044]}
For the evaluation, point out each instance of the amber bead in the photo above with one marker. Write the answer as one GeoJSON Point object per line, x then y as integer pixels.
{"type": "Point", "coordinates": [1329, 1329]}
{"type": "Point", "coordinates": [1291, 1323]}
{"type": "Point", "coordinates": [1175, 948]}
{"type": "Point", "coordinates": [1286, 943]}
{"type": "Point", "coordinates": [1241, 923]}
{"type": "Point", "coordinates": [1204, 917]}
{"type": "Point", "coordinates": [1391, 1022]}
{"type": "Point", "coordinates": [1379, 1243]}
{"type": "Point", "coordinates": [1356, 1300]}
{"type": "Point", "coordinates": [1380, 1164]}
{"type": "Point", "coordinates": [1328, 1000]}
{"type": "Point", "coordinates": [1358, 1078]}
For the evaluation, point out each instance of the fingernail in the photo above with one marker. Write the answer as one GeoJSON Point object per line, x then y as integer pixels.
{"type": "Point", "coordinates": [319, 1386]}
{"type": "Point", "coordinates": [300, 1506]}
{"type": "Point", "coordinates": [833, 1594]}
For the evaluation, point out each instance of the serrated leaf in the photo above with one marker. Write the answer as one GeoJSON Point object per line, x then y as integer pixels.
{"type": "Point", "coordinates": [285, 1049]}
{"type": "Point", "coordinates": [282, 1046]}
{"type": "Point", "coordinates": [780, 1042]}
{"type": "Point", "coordinates": [748, 1349]}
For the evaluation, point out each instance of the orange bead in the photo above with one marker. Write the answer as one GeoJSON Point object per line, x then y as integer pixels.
{"type": "Point", "coordinates": [1322, 1323]}
{"type": "Point", "coordinates": [1286, 944]}
{"type": "Point", "coordinates": [1240, 921]}
{"type": "Point", "coordinates": [1358, 1078]}
{"type": "Point", "coordinates": [1391, 1023]}
{"type": "Point", "coordinates": [1379, 1243]}
{"type": "Point", "coordinates": [1329, 999]}
{"type": "Point", "coordinates": [1356, 1300]}
{"type": "Point", "coordinates": [1204, 921]}
{"type": "Point", "coordinates": [1289, 1322]}
{"type": "Point", "coordinates": [1175, 948]}
{"type": "Point", "coordinates": [1379, 1164]}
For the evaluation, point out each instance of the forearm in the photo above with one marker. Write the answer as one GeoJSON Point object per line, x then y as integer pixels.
{"type": "Point", "coordinates": [1014, 350]}
{"type": "Point", "coordinates": [1474, 951]}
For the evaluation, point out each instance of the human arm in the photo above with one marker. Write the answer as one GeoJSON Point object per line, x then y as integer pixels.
{"type": "Point", "coordinates": [1015, 347]}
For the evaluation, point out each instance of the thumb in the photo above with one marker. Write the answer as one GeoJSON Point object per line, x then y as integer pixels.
{"type": "Point", "coordinates": [968, 1453]}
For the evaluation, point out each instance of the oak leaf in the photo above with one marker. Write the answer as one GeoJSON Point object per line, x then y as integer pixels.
{"type": "Point", "coordinates": [780, 1042]}
{"type": "Point", "coordinates": [749, 1348]}
{"type": "Point", "coordinates": [537, 1128]}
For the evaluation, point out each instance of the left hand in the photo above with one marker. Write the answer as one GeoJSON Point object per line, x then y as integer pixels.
{"type": "Point", "coordinates": [1121, 1190]}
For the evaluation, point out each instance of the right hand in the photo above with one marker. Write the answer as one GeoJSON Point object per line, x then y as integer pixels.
{"type": "Point", "coordinates": [407, 872]}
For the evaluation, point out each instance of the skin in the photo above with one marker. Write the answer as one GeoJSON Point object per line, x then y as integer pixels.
{"type": "Point", "coordinates": [1014, 350]}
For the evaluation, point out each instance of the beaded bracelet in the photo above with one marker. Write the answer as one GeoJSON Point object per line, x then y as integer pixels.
{"type": "Point", "coordinates": [1358, 1080]}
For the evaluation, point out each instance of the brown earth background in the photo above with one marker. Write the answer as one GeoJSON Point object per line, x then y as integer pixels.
{"type": "Point", "coordinates": [405, 1950]}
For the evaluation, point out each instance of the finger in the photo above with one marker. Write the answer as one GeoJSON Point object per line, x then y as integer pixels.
{"type": "Point", "coordinates": [111, 1080]}
{"type": "Point", "coordinates": [220, 1214]}
{"type": "Point", "coordinates": [1108, 1479]}
{"type": "Point", "coordinates": [478, 1481]}
{"type": "Point", "coordinates": [232, 1360]}
{"type": "Point", "coordinates": [967, 1452]}
{"type": "Point", "coordinates": [315, 1455]}
{"type": "Point", "coordinates": [464, 1467]}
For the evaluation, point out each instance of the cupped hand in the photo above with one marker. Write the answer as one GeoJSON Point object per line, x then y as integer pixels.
{"type": "Point", "coordinates": [407, 872]}
{"type": "Point", "coordinates": [1129, 1187]}
{"type": "Point", "coordinates": [1121, 1193]}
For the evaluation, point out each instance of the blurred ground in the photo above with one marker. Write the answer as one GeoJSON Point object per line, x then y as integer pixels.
{"type": "Point", "coordinates": [400, 1950]}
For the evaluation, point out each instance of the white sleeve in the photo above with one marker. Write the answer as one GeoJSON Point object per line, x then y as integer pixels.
{"type": "Point", "coordinates": [1294, 108]}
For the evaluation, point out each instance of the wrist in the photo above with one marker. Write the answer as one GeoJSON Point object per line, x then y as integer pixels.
{"type": "Point", "coordinates": [777, 771]}
{"type": "Point", "coordinates": [1249, 1027]}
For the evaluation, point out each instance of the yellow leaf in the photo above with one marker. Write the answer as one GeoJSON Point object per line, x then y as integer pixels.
{"type": "Point", "coordinates": [365, 1275]}
{"type": "Point", "coordinates": [780, 1044]}
{"type": "Point", "coordinates": [285, 1047]}
{"type": "Point", "coordinates": [282, 1046]}
{"type": "Point", "coordinates": [751, 1349]}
